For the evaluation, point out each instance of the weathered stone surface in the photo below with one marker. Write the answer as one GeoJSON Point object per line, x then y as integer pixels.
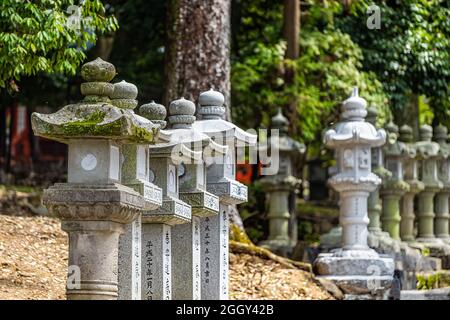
{"type": "Point", "coordinates": [433, 294]}
{"type": "Point", "coordinates": [203, 203]}
{"type": "Point", "coordinates": [93, 250]}
{"type": "Point", "coordinates": [111, 202]}
{"type": "Point", "coordinates": [124, 90]}
{"type": "Point", "coordinates": [355, 268]}
{"type": "Point", "coordinates": [172, 212]}
{"type": "Point", "coordinates": [374, 287]}
{"type": "Point", "coordinates": [98, 70]}
{"type": "Point", "coordinates": [186, 271]}
{"type": "Point", "coordinates": [156, 112]}
{"type": "Point", "coordinates": [96, 116]}
{"type": "Point", "coordinates": [129, 271]}
{"type": "Point", "coordinates": [156, 262]}
{"type": "Point", "coordinates": [342, 266]}
{"type": "Point", "coordinates": [214, 255]}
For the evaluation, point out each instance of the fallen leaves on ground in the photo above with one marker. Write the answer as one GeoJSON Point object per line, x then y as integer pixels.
{"type": "Point", "coordinates": [252, 277]}
{"type": "Point", "coordinates": [33, 258]}
{"type": "Point", "coordinates": [33, 265]}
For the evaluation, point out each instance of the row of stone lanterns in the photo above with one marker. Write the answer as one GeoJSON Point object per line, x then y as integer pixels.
{"type": "Point", "coordinates": [359, 271]}
{"type": "Point", "coordinates": [280, 186]}
{"type": "Point", "coordinates": [413, 188]}
{"type": "Point", "coordinates": [146, 208]}
{"type": "Point", "coordinates": [416, 170]}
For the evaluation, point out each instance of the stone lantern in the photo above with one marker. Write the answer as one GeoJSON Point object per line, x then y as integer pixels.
{"type": "Point", "coordinates": [157, 224]}
{"type": "Point", "coordinates": [280, 186]}
{"type": "Point", "coordinates": [220, 180]}
{"type": "Point", "coordinates": [134, 174]}
{"type": "Point", "coordinates": [358, 270]}
{"type": "Point", "coordinates": [411, 177]}
{"type": "Point", "coordinates": [428, 153]}
{"type": "Point", "coordinates": [93, 205]}
{"type": "Point", "coordinates": [377, 236]}
{"type": "Point", "coordinates": [441, 221]}
{"type": "Point", "coordinates": [394, 188]}
{"type": "Point", "coordinates": [186, 242]}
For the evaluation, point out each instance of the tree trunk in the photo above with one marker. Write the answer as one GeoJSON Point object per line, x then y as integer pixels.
{"type": "Point", "coordinates": [104, 46]}
{"type": "Point", "coordinates": [198, 49]}
{"type": "Point", "coordinates": [2, 142]}
{"type": "Point", "coordinates": [291, 28]}
{"type": "Point", "coordinates": [291, 31]}
{"type": "Point", "coordinates": [197, 55]}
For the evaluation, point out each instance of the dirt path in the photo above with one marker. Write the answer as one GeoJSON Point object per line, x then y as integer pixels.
{"type": "Point", "coordinates": [33, 260]}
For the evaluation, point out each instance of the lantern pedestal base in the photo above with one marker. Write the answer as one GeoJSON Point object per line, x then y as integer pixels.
{"type": "Point", "coordinates": [379, 239]}
{"type": "Point", "coordinates": [360, 274]}
{"type": "Point", "coordinates": [438, 249]}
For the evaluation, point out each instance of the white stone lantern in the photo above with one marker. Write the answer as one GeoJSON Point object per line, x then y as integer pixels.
{"type": "Point", "coordinates": [134, 174]}
{"type": "Point", "coordinates": [280, 186]}
{"type": "Point", "coordinates": [186, 242]}
{"type": "Point", "coordinates": [165, 159]}
{"type": "Point", "coordinates": [221, 182]}
{"type": "Point", "coordinates": [358, 270]}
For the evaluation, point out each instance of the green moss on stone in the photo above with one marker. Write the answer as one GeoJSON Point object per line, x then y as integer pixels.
{"type": "Point", "coordinates": [142, 134]}
{"type": "Point", "coordinates": [91, 126]}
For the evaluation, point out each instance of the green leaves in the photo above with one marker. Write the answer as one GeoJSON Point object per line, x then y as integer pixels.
{"type": "Point", "coordinates": [330, 64]}
{"type": "Point", "coordinates": [36, 37]}
{"type": "Point", "coordinates": [411, 53]}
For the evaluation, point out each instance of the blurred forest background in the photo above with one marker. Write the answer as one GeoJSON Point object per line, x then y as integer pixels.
{"type": "Point", "coordinates": [303, 61]}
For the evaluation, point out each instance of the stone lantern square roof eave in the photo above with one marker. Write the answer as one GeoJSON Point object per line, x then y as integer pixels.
{"type": "Point", "coordinates": [94, 120]}
{"type": "Point", "coordinates": [399, 150]}
{"type": "Point", "coordinates": [226, 130]}
{"type": "Point", "coordinates": [332, 139]}
{"type": "Point", "coordinates": [427, 149]}
{"type": "Point", "coordinates": [183, 152]}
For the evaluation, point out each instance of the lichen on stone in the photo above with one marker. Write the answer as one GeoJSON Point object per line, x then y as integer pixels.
{"type": "Point", "coordinates": [93, 120]}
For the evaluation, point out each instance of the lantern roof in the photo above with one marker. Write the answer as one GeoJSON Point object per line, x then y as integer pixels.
{"type": "Point", "coordinates": [99, 115]}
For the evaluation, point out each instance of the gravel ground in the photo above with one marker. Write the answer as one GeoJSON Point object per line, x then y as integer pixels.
{"type": "Point", "coordinates": [33, 260]}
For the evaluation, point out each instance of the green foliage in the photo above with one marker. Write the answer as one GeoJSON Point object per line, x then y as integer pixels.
{"type": "Point", "coordinates": [329, 65]}
{"type": "Point", "coordinates": [138, 51]}
{"type": "Point", "coordinates": [427, 281]}
{"type": "Point", "coordinates": [37, 37]}
{"type": "Point", "coordinates": [425, 112]}
{"type": "Point", "coordinates": [411, 51]}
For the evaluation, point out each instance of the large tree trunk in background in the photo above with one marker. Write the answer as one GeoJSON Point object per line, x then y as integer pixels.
{"type": "Point", "coordinates": [2, 142]}
{"type": "Point", "coordinates": [104, 46]}
{"type": "Point", "coordinates": [198, 49]}
{"type": "Point", "coordinates": [198, 54]}
{"type": "Point", "coordinates": [291, 32]}
{"type": "Point", "coordinates": [291, 27]}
